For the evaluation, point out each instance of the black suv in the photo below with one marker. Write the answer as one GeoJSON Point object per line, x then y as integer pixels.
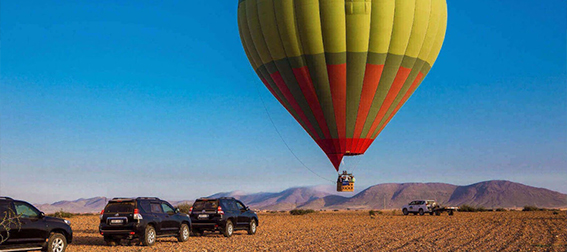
{"type": "Point", "coordinates": [223, 214]}
{"type": "Point", "coordinates": [30, 229]}
{"type": "Point", "coordinates": [144, 219]}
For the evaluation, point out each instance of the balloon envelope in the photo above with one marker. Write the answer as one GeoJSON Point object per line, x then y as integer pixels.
{"type": "Point", "coordinates": [342, 68]}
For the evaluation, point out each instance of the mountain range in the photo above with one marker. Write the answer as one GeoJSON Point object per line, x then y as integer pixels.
{"type": "Point", "coordinates": [489, 194]}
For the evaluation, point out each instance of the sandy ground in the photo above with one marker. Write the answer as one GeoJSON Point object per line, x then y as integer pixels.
{"type": "Point", "coordinates": [356, 231]}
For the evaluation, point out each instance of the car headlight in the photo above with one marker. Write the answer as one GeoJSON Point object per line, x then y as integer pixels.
{"type": "Point", "coordinates": [67, 222]}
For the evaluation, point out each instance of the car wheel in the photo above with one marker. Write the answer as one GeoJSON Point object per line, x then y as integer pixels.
{"type": "Point", "coordinates": [56, 243]}
{"type": "Point", "coordinates": [149, 236]}
{"type": "Point", "coordinates": [450, 212]}
{"type": "Point", "coordinates": [183, 233]}
{"type": "Point", "coordinates": [228, 229]}
{"type": "Point", "coordinates": [430, 213]}
{"type": "Point", "coordinates": [421, 211]}
{"type": "Point", "coordinates": [405, 211]}
{"type": "Point", "coordinates": [437, 213]}
{"type": "Point", "coordinates": [252, 227]}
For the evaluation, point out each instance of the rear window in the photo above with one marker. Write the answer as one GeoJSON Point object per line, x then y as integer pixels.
{"type": "Point", "coordinates": [209, 205]}
{"type": "Point", "coordinates": [119, 207]}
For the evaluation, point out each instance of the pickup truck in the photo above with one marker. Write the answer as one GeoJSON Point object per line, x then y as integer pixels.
{"type": "Point", "coordinates": [426, 206]}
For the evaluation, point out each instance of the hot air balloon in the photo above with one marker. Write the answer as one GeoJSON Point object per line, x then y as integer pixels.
{"type": "Point", "coordinates": [342, 68]}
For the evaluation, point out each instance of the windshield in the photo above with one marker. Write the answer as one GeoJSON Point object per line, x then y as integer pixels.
{"type": "Point", "coordinates": [119, 207]}
{"type": "Point", "coordinates": [209, 205]}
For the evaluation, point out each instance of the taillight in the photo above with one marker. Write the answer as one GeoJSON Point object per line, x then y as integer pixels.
{"type": "Point", "coordinates": [190, 209]}
{"type": "Point", "coordinates": [137, 215]}
{"type": "Point", "coordinates": [101, 213]}
{"type": "Point", "coordinates": [219, 210]}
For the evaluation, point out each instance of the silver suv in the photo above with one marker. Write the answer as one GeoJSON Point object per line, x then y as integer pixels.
{"type": "Point", "coordinates": [420, 207]}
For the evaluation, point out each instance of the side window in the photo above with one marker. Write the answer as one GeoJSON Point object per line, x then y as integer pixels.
{"type": "Point", "coordinates": [156, 208]}
{"type": "Point", "coordinates": [240, 206]}
{"type": "Point", "coordinates": [5, 209]}
{"type": "Point", "coordinates": [412, 203]}
{"type": "Point", "coordinates": [145, 205]}
{"type": "Point", "coordinates": [26, 210]}
{"type": "Point", "coordinates": [167, 209]}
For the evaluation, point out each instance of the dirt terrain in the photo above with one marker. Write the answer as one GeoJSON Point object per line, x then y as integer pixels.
{"type": "Point", "coordinates": [356, 231]}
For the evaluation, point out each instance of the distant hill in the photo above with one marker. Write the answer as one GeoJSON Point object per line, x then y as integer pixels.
{"type": "Point", "coordinates": [91, 205]}
{"type": "Point", "coordinates": [489, 194]}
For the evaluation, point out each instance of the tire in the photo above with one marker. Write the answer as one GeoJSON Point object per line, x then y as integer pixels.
{"type": "Point", "coordinates": [421, 211]}
{"type": "Point", "coordinates": [228, 229]}
{"type": "Point", "coordinates": [437, 213]}
{"type": "Point", "coordinates": [405, 211]}
{"type": "Point", "coordinates": [56, 243]}
{"type": "Point", "coordinates": [450, 212]}
{"type": "Point", "coordinates": [430, 213]}
{"type": "Point", "coordinates": [149, 236]}
{"type": "Point", "coordinates": [252, 227]}
{"type": "Point", "coordinates": [183, 233]}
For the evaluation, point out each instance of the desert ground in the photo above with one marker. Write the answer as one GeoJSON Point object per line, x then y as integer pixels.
{"type": "Point", "coordinates": [356, 231]}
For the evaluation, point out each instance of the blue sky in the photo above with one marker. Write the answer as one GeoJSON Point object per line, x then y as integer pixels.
{"type": "Point", "coordinates": [132, 98]}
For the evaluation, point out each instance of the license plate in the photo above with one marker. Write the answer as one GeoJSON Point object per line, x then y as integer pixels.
{"type": "Point", "coordinates": [116, 221]}
{"type": "Point", "coordinates": [203, 216]}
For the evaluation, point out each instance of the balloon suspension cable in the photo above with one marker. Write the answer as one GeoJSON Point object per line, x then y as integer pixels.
{"type": "Point", "coordinates": [356, 163]}
{"type": "Point", "coordinates": [285, 143]}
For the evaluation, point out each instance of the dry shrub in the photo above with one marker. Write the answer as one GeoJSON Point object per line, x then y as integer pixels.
{"type": "Point", "coordinates": [301, 211]}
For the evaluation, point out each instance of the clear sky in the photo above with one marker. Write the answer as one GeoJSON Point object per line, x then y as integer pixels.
{"type": "Point", "coordinates": [157, 98]}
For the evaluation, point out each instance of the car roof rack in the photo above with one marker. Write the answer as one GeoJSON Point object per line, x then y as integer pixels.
{"type": "Point", "coordinates": [122, 198]}
{"type": "Point", "coordinates": [148, 198]}
{"type": "Point", "coordinates": [6, 198]}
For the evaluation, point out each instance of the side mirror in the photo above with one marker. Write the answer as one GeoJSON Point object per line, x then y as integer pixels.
{"type": "Point", "coordinates": [41, 215]}
{"type": "Point", "coordinates": [177, 210]}
{"type": "Point", "coordinates": [247, 208]}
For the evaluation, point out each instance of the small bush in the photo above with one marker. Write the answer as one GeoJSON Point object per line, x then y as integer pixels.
{"type": "Point", "coordinates": [531, 208]}
{"type": "Point", "coordinates": [335, 210]}
{"type": "Point", "coordinates": [62, 214]}
{"type": "Point", "coordinates": [467, 208]}
{"type": "Point", "coordinates": [555, 212]}
{"type": "Point", "coordinates": [184, 207]}
{"type": "Point", "coordinates": [500, 209]}
{"type": "Point", "coordinates": [373, 213]}
{"type": "Point", "coordinates": [301, 211]}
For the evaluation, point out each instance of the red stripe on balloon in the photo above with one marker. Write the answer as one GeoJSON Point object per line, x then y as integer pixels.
{"type": "Point", "coordinates": [410, 91]}
{"type": "Point", "coordinates": [369, 85]}
{"type": "Point", "coordinates": [306, 84]}
{"type": "Point", "coordinates": [277, 77]}
{"type": "Point", "coordinates": [337, 82]}
{"type": "Point", "coordinates": [401, 77]}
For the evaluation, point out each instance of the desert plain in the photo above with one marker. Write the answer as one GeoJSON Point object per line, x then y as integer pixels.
{"type": "Point", "coordinates": [357, 231]}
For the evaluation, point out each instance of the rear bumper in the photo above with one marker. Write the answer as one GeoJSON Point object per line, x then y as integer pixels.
{"type": "Point", "coordinates": [133, 230]}
{"type": "Point", "coordinates": [208, 225]}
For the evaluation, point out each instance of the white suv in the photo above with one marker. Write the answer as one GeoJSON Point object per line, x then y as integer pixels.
{"type": "Point", "coordinates": [419, 206]}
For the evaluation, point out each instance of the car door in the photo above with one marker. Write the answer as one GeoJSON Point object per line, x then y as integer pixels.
{"type": "Point", "coordinates": [243, 215]}
{"type": "Point", "coordinates": [170, 223]}
{"type": "Point", "coordinates": [411, 206]}
{"type": "Point", "coordinates": [7, 213]}
{"type": "Point", "coordinates": [158, 215]}
{"type": "Point", "coordinates": [32, 228]}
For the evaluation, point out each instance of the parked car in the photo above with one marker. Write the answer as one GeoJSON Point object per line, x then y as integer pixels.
{"type": "Point", "coordinates": [225, 215]}
{"type": "Point", "coordinates": [142, 219]}
{"type": "Point", "coordinates": [419, 206]}
{"type": "Point", "coordinates": [31, 229]}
